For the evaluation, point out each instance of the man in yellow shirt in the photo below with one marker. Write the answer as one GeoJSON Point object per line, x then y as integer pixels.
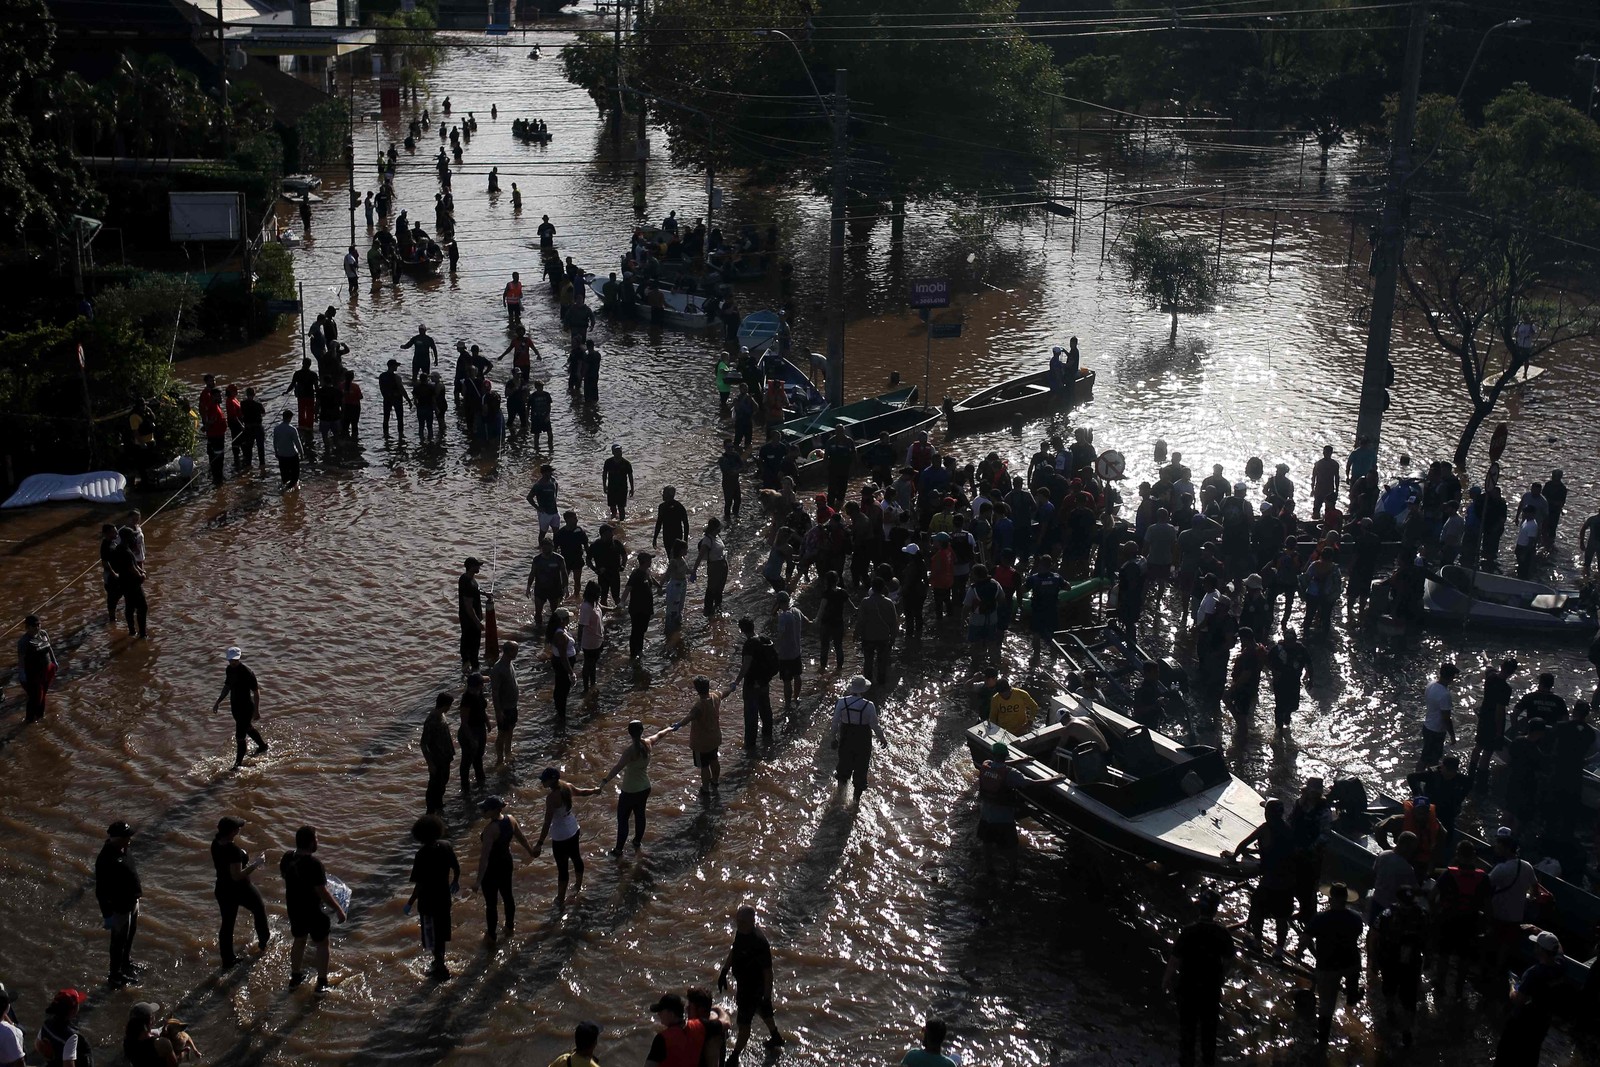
{"type": "Point", "coordinates": [1011, 709]}
{"type": "Point", "coordinates": [584, 1041]}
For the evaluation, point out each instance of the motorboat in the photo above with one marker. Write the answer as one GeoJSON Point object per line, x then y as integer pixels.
{"type": "Point", "coordinates": [901, 424]}
{"type": "Point", "coordinates": [683, 310]}
{"type": "Point", "coordinates": [1016, 400]}
{"type": "Point", "coordinates": [758, 329]}
{"type": "Point", "coordinates": [1494, 601]}
{"type": "Point", "coordinates": [1118, 663]}
{"type": "Point", "coordinates": [421, 264]}
{"type": "Point", "coordinates": [825, 421]}
{"type": "Point", "coordinates": [296, 184]}
{"type": "Point", "coordinates": [1147, 796]}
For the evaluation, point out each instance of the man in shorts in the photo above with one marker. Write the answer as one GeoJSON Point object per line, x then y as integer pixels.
{"type": "Point", "coordinates": [503, 691]}
{"type": "Point", "coordinates": [786, 634]}
{"type": "Point", "coordinates": [305, 891]}
{"type": "Point", "coordinates": [542, 495]}
{"type": "Point", "coordinates": [547, 578]}
{"type": "Point", "coordinates": [750, 961]}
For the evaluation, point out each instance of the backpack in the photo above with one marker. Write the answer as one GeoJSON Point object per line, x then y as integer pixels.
{"type": "Point", "coordinates": [764, 664]}
{"type": "Point", "coordinates": [53, 1037]}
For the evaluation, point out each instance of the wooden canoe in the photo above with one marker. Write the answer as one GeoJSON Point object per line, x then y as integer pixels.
{"type": "Point", "coordinates": [1016, 400]}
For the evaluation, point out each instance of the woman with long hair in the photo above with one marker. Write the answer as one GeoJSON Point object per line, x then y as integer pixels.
{"type": "Point", "coordinates": [633, 767]}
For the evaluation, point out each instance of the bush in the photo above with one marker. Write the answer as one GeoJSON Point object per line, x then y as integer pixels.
{"type": "Point", "coordinates": [42, 392]}
{"type": "Point", "coordinates": [163, 309]}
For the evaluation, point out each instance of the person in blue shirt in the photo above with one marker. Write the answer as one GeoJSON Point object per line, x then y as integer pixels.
{"type": "Point", "coordinates": [1044, 587]}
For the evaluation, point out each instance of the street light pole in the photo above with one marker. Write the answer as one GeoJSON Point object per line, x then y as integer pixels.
{"type": "Point", "coordinates": [1594, 79]}
{"type": "Point", "coordinates": [1376, 372]}
{"type": "Point", "coordinates": [839, 113]}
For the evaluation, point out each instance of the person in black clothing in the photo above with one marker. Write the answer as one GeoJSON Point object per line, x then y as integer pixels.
{"type": "Point", "coordinates": [494, 863]}
{"type": "Point", "coordinates": [1402, 937]}
{"type": "Point", "coordinates": [438, 752]}
{"type": "Point", "coordinates": [393, 392]}
{"type": "Point", "coordinates": [730, 463]}
{"type": "Point", "coordinates": [1544, 703]}
{"type": "Point", "coordinates": [117, 889]}
{"type": "Point", "coordinates": [1335, 936]}
{"type": "Point", "coordinates": [539, 416]}
{"type": "Point", "coordinates": [473, 733]}
{"type": "Point", "coordinates": [1196, 966]}
{"type": "Point", "coordinates": [672, 519]}
{"type": "Point", "coordinates": [1495, 513]}
{"type": "Point", "coordinates": [108, 573]}
{"type": "Point", "coordinates": [606, 556]}
{"type": "Point", "coordinates": [750, 963]}
{"type": "Point", "coordinates": [243, 693]}
{"type": "Point", "coordinates": [1289, 664]}
{"type": "Point", "coordinates": [123, 570]}
{"type": "Point", "coordinates": [234, 890]}
{"type": "Point", "coordinates": [616, 478]}
{"type": "Point", "coordinates": [1445, 786]}
{"type": "Point", "coordinates": [641, 590]}
{"type": "Point", "coordinates": [1364, 566]}
{"type": "Point", "coordinates": [1571, 742]}
{"type": "Point", "coordinates": [253, 415]}
{"type": "Point", "coordinates": [305, 891]}
{"type": "Point", "coordinates": [1491, 733]}
{"type": "Point", "coordinates": [840, 455]}
{"type": "Point", "coordinates": [435, 878]}
{"type": "Point", "coordinates": [469, 609]}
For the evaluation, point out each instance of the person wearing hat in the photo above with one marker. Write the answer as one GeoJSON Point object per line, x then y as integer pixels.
{"type": "Point", "coordinates": [469, 610]}
{"type": "Point", "coordinates": [393, 392]}
{"type": "Point", "coordinates": [1335, 936]}
{"type": "Point", "coordinates": [117, 889]}
{"type": "Point", "coordinates": [678, 1043]}
{"type": "Point", "coordinates": [855, 723]}
{"type": "Point", "coordinates": [494, 864]}
{"type": "Point", "coordinates": [243, 693]}
{"type": "Point", "coordinates": [435, 878]}
{"type": "Point", "coordinates": [234, 889]}
{"type": "Point", "coordinates": [913, 588]}
{"type": "Point", "coordinates": [1196, 966]}
{"type": "Point", "coordinates": [999, 782]}
{"type": "Point", "coordinates": [1534, 996]}
{"type": "Point", "coordinates": [561, 826]}
{"type": "Point", "coordinates": [59, 1040]}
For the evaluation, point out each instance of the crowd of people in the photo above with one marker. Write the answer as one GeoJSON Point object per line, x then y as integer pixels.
{"type": "Point", "coordinates": [906, 546]}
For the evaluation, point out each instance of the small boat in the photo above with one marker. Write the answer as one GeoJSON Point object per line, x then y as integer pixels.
{"type": "Point", "coordinates": [803, 395]}
{"type": "Point", "coordinates": [1016, 400]}
{"type": "Point", "coordinates": [1149, 796]}
{"type": "Point", "coordinates": [301, 183]}
{"type": "Point", "coordinates": [1494, 601]}
{"type": "Point", "coordinates": [1528, 374]}
{"type": "Point", "coordinates": [1572, 913]}
{"type": "Point", "coordinates": [421, 266]}
{"type": "Point", "coordinates": [683, 311]}
{"type": "Point", "coordinates": [295, 198]}
{"type": "Point", "coordinates": [824, 421]}
{"type": "Point", "coordinates": [758, 329]}
{"type": "Point", "coordinates": [901, 424]}
{"type": "Point", "coordinates": [1119, 662]}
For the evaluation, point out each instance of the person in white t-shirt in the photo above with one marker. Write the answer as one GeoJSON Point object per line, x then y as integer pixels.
{"type": "Point", "coordinates": [12, 1048]}
{"type": "Point", "coordinates": [1436, 720]}
{"type": "Point", "coordinates": [1527, 542]}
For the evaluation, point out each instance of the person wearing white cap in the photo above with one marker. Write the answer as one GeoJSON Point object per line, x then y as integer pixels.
{"type": "Point", "coordinates": [243, 693]}
{"type": "Point", "coordinates": [1533, 999]}
{"type": "Point", "coordinates": [855, 723]}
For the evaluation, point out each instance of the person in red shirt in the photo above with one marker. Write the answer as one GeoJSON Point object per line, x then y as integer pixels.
{"type": "Point", "coordinates": [350, 416]}
{"type": "Point", "coordinates": [235, 413]}
{"type": "Point", "coordinates": [677, 1043]}
{"type": "Point", "coordinates": [214, 424]}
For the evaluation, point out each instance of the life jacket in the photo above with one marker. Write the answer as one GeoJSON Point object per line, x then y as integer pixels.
{"type": "Point", "coordinates": [1466, 883]}
{"type": "Point", "coordinates": [513, 292]}
{"type": "Point", "coordinates": [921, 455]}
{"type": "Point", "coordinates": [992, 784]}
{"type": "Point", "coordinates": [1425, 825]}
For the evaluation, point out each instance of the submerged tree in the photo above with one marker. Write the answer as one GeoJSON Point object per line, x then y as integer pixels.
{"type": "Point", "coordinates": [1504, 221]}
{"type": "Point", "coordinates": [1174, 273]}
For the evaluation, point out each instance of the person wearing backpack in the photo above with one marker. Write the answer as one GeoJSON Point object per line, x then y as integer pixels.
{"type": "Point", "coordinates": [59, 1041]}
{"type": "Point", "coordinates": [758, 665]}
{"type": "Point", "coordinates": [982, 604]}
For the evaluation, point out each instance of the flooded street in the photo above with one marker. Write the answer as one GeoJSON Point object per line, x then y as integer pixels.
{"type": "Point", "coordinates": [342, 596]}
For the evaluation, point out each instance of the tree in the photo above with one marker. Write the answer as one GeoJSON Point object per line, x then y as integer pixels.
{"type": "Point", "coordinates": [41, 184]}
{"type": "Point", "coordinates": [1504, 218]}
{"type": "Point", "coordinates": [1173, 272]}
{"type": "Point", "coordinates": [935, 112]}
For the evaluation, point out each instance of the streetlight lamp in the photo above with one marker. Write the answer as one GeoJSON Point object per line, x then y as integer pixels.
{"type": "Point", "coordinates": [838, 114]}
{"type": "Point", "coordinates": [1594, 78]}
{"type": "Point", "coordinates": [1508, 24]}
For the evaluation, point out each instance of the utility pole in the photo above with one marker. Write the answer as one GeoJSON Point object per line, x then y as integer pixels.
{"type": "Point", "coordinates": [616, 78]}
{"type": "Point", "coordinates": [1376, 370]}
{"type": "Point", "coordinates": [641, 149]}
{"type": "Point", "coordinates": [711, 170]}
{"type": "Point", "coordinates": [222, 79]}
{"type": "Point", "coordinates": [350, 147]}
{"type": "Point", "coordinates": [836, 233]}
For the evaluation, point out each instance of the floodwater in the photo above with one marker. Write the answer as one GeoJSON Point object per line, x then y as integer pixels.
{"type": "Point", "coordinates": [342, 596]}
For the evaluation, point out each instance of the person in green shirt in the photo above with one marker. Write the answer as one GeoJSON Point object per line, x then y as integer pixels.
{"type": "Point", "coordinates": [930, 1054]}
{"type": "Point", "coordinates": [723, 368]}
